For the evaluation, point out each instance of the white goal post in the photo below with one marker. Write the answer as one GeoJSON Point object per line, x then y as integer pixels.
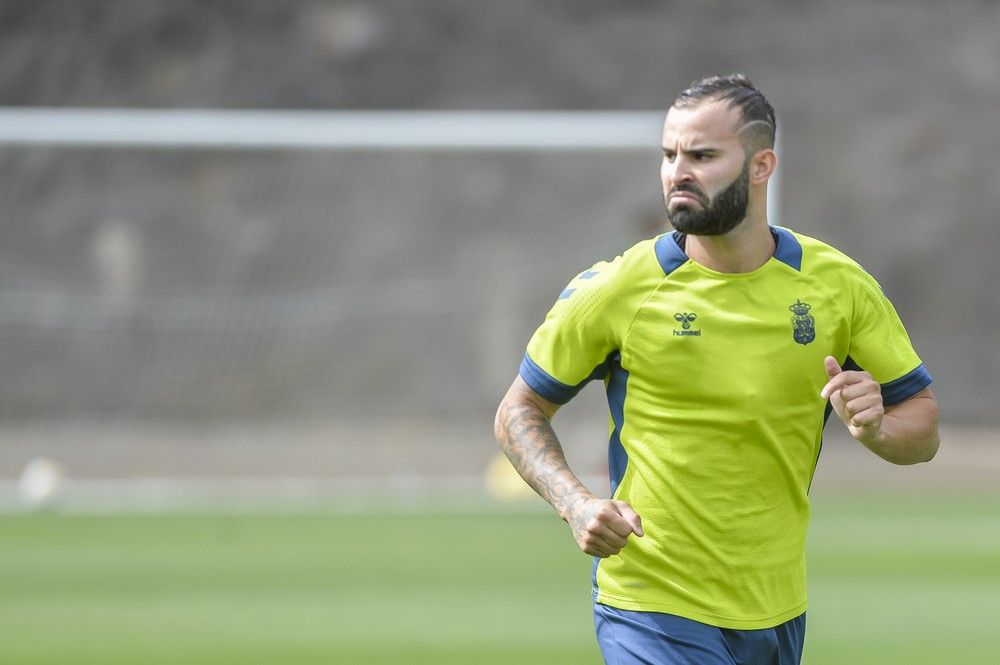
{"type": "Point", "coordinates": [104, 131]}
{"type": "Point", "coordinates": [241, 129]}
{"type": "Point", "coordinates": [324, 130]}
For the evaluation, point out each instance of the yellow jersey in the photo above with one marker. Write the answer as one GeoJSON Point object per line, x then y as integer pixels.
{"type": "Point", "coordinates": [716, 420]}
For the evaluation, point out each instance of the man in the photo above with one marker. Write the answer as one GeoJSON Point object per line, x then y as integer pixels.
{"type": "Point", "coordinates": [724, 346]}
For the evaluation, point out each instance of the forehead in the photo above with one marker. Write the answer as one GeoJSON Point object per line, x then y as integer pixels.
{"type": "Point", "coordinates": [713, 122]}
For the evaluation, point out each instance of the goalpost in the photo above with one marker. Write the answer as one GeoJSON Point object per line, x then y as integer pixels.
{"type": "Point", "coordinates": [329, 130]}
{"type": "Point", "coordinates": [162, 267]}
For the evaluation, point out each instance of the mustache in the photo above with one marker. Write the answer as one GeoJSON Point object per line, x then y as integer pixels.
{"type": "Point", "coordinates": [689, 187]}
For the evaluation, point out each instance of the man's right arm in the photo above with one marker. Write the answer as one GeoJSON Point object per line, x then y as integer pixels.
{"type": "Point", "coordinates": [523, 428]}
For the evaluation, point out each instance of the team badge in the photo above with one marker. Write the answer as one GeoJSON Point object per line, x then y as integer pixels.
{"type": "Point", "coordinates": [803, 323]}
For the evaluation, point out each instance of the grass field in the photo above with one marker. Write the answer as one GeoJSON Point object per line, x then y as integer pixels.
{"type": "Point", "coordinates": [892, 581]}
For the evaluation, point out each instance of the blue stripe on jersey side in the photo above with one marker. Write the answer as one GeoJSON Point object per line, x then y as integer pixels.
{"type": "Point", "coordinates": [851, 365]}
{"type": "Point", "coordinates": [827, 412]}
{"type": "Point", "coordinates": [587, 274]}
{"type": "Point", "coordinates": [786, 248]}
{"type": "Point", "coordinates": [552, 388]}
{"type": "Point", "coordinates": [566, 293]}
{"type": "Point", "coordinates": [819, 450]}
{"type": "Point", "coordinates": [669, 253]}
{"type": "Point", "coordinates": [617, 457]}
{"type": "Point", "coordinates": [906, 387]}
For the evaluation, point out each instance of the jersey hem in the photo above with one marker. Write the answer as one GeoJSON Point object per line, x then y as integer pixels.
{"type": "Point", "coordinates": [703, 617]}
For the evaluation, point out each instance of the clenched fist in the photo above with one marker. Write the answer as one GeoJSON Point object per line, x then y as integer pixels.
{"type": "Point", "coordinates": [856, 398]}
{"type": "Point", "coordinates": [601, 527]}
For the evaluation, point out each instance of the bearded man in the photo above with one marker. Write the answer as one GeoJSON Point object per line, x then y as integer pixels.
{"type": "Point", "coordinates": [724, 346]}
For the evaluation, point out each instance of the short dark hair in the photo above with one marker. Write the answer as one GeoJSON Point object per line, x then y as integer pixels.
{"type": "Point", "coordinates": [740, 93]}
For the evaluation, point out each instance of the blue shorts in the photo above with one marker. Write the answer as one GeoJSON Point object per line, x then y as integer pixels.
{"type": "Point", "coordinates": [651, 638]}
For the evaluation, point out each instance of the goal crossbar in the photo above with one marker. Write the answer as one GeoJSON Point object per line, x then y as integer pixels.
{"type": "Point", "coordinates": [330, 130]}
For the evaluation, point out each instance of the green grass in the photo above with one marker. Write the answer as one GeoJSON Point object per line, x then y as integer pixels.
{"type": "Point", "coordinates": [892, 581]}
{"type": "Point", "coordinates": [904, 580]}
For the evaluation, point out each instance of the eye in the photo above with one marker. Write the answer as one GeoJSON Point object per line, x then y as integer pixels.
{"type": "Point", "coordinates": [669, 155]}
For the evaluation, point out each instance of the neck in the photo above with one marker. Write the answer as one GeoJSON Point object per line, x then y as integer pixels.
{"type": "Point", "coordinates": [744, 249]}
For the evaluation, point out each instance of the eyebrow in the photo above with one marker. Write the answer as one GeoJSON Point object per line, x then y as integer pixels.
{"type": "Point", "coordinates": [699, 149]}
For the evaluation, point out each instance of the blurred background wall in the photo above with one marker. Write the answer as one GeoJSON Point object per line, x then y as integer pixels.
{"type": "Point", "coordinates": [328, 312]}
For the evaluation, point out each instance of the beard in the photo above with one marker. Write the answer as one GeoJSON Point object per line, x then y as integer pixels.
{"type": "Point", "coordinates": [717, 217]}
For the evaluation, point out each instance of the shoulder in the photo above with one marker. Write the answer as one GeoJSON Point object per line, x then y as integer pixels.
{"type": "Point", "coordinates": [832, 266]}
{"type": "Point", "coordinates": [623, 273]}
{"type": "Point", "coordinates": [591, 314]}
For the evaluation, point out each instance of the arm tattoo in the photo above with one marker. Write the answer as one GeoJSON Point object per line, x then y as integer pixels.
{"type": "Point", "coordinates": [525, 435]}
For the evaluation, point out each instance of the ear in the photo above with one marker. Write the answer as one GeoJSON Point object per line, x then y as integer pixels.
{"type": "Point", "coordinates": [762, 166]}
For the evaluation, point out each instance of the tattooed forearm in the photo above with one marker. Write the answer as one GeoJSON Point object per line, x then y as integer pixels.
{"type": "Point", "coordinates": [524, 432]}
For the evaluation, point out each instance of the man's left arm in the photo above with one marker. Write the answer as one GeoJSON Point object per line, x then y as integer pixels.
{"type": "Point", "coordinates": [904, 433]}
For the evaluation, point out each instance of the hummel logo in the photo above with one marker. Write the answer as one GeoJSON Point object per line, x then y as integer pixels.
{"type": "Point", "coordinates": [685, 319]}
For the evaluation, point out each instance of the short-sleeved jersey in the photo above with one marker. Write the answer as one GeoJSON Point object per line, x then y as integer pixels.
{"type": "Point", "coordinates": [713, 383]}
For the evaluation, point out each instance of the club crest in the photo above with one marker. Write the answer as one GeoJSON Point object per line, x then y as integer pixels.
{"type": "Point", "coordinates": [803, 323]}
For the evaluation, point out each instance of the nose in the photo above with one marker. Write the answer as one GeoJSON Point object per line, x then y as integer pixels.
{"type": "Point", "coordinates": [674, 173]}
